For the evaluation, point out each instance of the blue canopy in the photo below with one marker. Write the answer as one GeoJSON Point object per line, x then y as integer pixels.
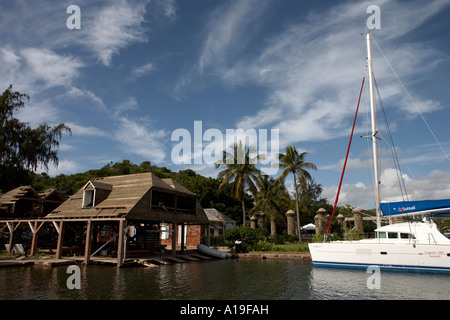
{"type": "Point", "coordinates": [415, 207]}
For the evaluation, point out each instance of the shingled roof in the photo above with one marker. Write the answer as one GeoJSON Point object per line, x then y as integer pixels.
{"type": "Point", "coordinates": [131, 196]}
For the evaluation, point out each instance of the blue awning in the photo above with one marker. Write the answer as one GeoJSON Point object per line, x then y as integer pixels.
{"type": "Point", "coordinates": [415, 207]}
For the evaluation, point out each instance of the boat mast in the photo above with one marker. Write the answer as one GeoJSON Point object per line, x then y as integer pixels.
{"type": "Point", "coordinates": [374, 132]}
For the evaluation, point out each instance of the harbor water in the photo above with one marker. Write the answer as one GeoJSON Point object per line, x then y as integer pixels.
{"type": "Point", "coordinates": [230, 279]}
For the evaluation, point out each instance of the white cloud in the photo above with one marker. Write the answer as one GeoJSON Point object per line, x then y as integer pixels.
{"type": "Point", "coordinates": [79, 130]}
{"type": "Point", "coordinates": [226, 34]}
{"type": "Point", "coordinates": [114, 27]}
{"type": "Point", "coordinates": [64, 167]}
{"type": "Point", "coordinates": [310, 68]}
{"type": "Point", "coordinates": [129, 104]}
{"type": "Point", "coordinates": [139, 137]}
{"type": "Point", "coordinates": [142, 71]}
{"type": "Point", "coordinates": [36, 69]}
{"type": "Point", "coordinates": [79, 93]}
{"type": "Point", "coordinates": [430, 187]}
{"type": "Point", "coordinates": [51, 68]}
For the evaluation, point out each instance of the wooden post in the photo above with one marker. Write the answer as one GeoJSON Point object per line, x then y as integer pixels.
{"type": "Point", "coordinates": [208, 235]}
{"type": "Point", "coordinates": [174, 239]}
{"type": "Point", "coordinates": [35, 230]}
{"type": "Point", "coordinates": [87, 248]}
{"type": "Point", "coordinates": [60, 239]}
{"type": "Point", "coordinates": [121, 244]}
{"type": "Point", "coordinates": [11, 235]}
{"type": "Point", "coordinates": [182, 238]}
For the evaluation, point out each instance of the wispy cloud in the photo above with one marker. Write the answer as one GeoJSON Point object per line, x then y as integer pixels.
{"type": "Point", "coordinates": [96, 101]}
{"type": "Point", "coordinates": [432, 186]}
{"type": "Point", "coordinates": [114, 27]}
{"type": "Point", "coordinates": [142, 70]}
{"type": "Point", "coordinates": [226, 35]}
{"type": "Point", "coordinates": [140, 138]}
{"type": "Point", "coordinates": [310, 68]}
{"type": "Point", "coordinates": [80, 130]}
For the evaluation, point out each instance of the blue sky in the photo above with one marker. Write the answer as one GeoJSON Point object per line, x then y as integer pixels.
{"type": "Point", "coordinates": [137, 71]}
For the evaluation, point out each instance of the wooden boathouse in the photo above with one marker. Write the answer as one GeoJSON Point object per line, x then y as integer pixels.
{"type": "Point", "coordinates": [115, 218]}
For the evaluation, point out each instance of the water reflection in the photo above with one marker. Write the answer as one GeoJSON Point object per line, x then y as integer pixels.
{"type": "Point", "coordinates": [235, 279]}
{"type": "Point", "coordinates": [330, 283]}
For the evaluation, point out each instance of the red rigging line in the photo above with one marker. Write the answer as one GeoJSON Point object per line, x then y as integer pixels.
{"type": "Point", "coordinates": [346, 156]}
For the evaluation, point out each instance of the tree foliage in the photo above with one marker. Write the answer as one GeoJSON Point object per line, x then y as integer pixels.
{"type": "Point", "coordinates": [22, 148]}
{"type": "Point", "coordinates": [240, 172]}
{"type": "Point", "coordinates": [293, 162]}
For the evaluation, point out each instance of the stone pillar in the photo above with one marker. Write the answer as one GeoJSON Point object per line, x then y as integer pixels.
{"type": "Point", "coordinates": [253, 222]}
{"type": "Point", "coordinates": [316, 223]}
{"type": "Point", "coordinates": [357, 215]}
{"type": "Point", "coordinates": [273, 226]}
{"type": "Point", "coordinates": [261, 218]}
{"type": "Point", "coordinates": [291, 223]}
{"type": "Point", "coordinates": [321, 227]}
{"type": "Point", "coordinates": [340, 218]}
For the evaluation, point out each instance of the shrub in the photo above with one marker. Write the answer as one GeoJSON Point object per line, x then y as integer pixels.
{"type": "Point", "coordinates": [318, 238]}
{"type": "Point", "coordinates": [248, 236]}
{"type": "Point", "coordinates": [281, 238]}
{"type": "Point", "coordinates": [263, 246]}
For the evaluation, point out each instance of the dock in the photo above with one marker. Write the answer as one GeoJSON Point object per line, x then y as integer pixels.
{"type": "Point", "coordinates": [6, 263]}
{"type": "Point", "coordinates": [147, 261]}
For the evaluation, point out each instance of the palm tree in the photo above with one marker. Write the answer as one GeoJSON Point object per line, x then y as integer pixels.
{"type": "Point", "coordinates": [271, 197]}
{"type": "Point", "coordinates": [293, 162]}
{"type": "Point", "coordinates": [240, 171]}
{"type": "Point", "coordinates": [267, 194]}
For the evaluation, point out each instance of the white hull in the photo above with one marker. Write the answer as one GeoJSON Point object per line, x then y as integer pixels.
{"type": "Point", "coordinates": [393, 256]}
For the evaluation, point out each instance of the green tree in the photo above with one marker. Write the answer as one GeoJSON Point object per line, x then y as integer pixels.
{"type": "Point", "coordinates": [240, 171]}
{"type": "Point", "coordinates": [23, 149]}
{"type": "Point", "coordinates": [293, 162]}
{"type": "Point", "coordinates": [310, 200]}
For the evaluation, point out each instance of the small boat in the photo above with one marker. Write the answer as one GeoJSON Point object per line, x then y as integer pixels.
{"type": "Point", "coordinates": [213, 252]}
{"type": "Point", "coordinates": [409, 246]}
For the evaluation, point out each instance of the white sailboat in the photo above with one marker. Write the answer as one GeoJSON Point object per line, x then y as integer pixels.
{"type": "Point", "coordinates": [409, 246]}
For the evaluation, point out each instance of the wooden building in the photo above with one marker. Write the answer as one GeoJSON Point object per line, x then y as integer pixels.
{"type": "Point", "coordinates": [22, 206]}
{"type": "Point", "coordinates": [120, 216]}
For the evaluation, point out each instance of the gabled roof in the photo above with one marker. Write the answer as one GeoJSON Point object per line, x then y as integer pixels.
{"type": "Point", "coordinates": [129, 196]}
{"type": "Point", "coordinates": [50, 193]}
{"type": "Point", "coordinates": [216, 215]}
{"type": "Point", "coordinates": [22, 192]}
{"type": "Point", "coordinates": [94, 184]}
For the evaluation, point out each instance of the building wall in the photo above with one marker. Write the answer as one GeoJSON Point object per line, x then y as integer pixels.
{"type": "Point", "coordinates": [193, 235]}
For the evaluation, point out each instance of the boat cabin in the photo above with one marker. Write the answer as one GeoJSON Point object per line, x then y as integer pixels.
{"type": "Point", "coordinates": [415, 232]}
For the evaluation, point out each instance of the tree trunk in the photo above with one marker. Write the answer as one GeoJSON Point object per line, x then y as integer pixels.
{"type": "Point", "coordinates": [243, 213]}
{"type": "Point", "coordinates": [298, 211]}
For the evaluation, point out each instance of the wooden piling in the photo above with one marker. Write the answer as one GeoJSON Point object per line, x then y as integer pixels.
{"type": "Point", "coordinates": [87, 249]}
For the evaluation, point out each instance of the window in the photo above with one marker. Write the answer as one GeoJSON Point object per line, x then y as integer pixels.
{"type": "Point", "coordinates": [95, 192]}
{"type": "Point", "coordinates": [392, 235]}
{"type": "Point", "coordinates": [88, 198]}
{"type": "Point", "coordinates": [382, 235]}
{"type": "Point", "coordinates": [406, 236]}
{"type": "Point", "coordinates": [165, 232]}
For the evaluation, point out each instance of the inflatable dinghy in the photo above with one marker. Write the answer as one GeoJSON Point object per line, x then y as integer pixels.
{"type": "Point", "coordinates": [213, 252]}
